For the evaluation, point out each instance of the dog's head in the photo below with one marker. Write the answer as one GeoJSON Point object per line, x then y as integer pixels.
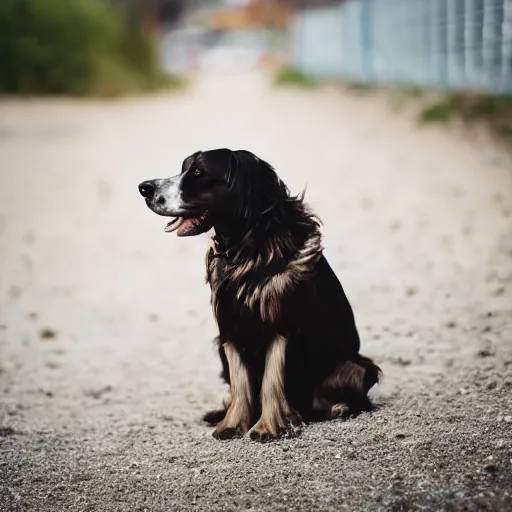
{"type": "Point", "coordinates": [218, 187]}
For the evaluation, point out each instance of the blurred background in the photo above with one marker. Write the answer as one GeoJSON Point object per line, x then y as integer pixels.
{"type": "Point", "coordinates": [396, 115]}
{"type": "Point", "coordinates": [457, 44]}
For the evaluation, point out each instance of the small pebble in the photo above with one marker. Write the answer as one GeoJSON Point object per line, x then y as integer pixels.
{"type": "Point", "coordinates": [411, 291]}
{"type": "Point", "coordinates": [47, 334]}
{"type": "Point", "coordinates": [7, 431]}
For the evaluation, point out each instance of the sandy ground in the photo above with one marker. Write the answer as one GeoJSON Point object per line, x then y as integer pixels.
{"type": "Point", "coordinates": [106, 360]}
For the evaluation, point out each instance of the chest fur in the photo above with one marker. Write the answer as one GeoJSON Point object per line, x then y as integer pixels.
{"type": "Point", "coordinates": [258, 285]}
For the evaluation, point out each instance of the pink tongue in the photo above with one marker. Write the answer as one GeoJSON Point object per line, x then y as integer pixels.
{"type": "Point", "coordinates": [185, 226]}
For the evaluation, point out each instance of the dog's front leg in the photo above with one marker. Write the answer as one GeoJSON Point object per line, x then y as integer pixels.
{"type": "Point", "coordinates": [278, 418]}
{"type": "Point", "coordinates": [239, 410]}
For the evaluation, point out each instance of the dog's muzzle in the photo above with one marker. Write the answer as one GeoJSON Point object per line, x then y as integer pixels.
{"type": "Point", "coordinates": [163, 196]}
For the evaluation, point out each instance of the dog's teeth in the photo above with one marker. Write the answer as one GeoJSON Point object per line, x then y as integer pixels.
{"type": "Point", "coordinates": [174, 225]}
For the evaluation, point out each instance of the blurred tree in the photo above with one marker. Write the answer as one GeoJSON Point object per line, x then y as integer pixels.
{"type": "Point", "coordinates": [76, 46]}
{"type": "Point", "coordinates": [150, 14]}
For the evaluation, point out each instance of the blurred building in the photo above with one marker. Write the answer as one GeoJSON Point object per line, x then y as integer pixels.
{"type": "Point", "coordinates": [246, 14]}
{"type": "Point", "coordinates": [444, 44]}
{"type": "Point", "coordinates": [227, 34]}
{"type": "Point", "coordinates": [308, 4]}
{"type": "Point", "coordinates": [216, 14]}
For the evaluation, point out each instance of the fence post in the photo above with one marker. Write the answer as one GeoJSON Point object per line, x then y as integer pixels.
{"type": "Point", "coordinates": [438, 30]}
{"type": "Point", "coordinates": [473, 42]}
{"type": "Point", "coordinates": [442, 43]}
{"type": "Point", "coordinates": [492, 43]}
{"type": "Point", "coordinates": [455, 50]}
{"type": "Point", "coordinates": [507, 47]}
{"type": "Point", "coordinates": [367, 8]}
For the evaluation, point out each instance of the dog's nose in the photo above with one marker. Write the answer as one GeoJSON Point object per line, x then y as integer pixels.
{"type": "Point", "coordinates": [147, 189]}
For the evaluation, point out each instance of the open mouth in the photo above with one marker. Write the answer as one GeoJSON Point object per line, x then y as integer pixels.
{"type": "Point", "coordinates": [185, 226]}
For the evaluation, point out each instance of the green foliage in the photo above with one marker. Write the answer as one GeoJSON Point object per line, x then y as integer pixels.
{"type": "Point", "coordinates": [288, 75]}
{"type": "Point", "coordinates": [412, 91]}
{"type": "Point", "coordinates": [494, 111]}
{"type": "Point", "coordinates": [358, 87]}
{"type": "Point", "coordinates": [505, 130]}
{"type": "Point", "coordinates": [487, 106]}
{"type": "Point", "coordinates": [441, 111]}
{"type": "Point", "coordinates": [73, 47]}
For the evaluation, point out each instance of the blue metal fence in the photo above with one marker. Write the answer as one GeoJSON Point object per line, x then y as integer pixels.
{"type": "Point", "coordinates": [449, 44]}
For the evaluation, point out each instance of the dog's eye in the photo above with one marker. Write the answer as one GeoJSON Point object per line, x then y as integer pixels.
{"type": "Point", "coordinates": [198, 172]}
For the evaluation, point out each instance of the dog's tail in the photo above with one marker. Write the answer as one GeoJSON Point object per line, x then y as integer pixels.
{"type": "Point", "coordinates": [372, 373]}
{"type": "Point", "coordinates": [355, 377]}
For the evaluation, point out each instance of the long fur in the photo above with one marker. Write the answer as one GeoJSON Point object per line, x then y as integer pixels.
{"type": "Point", "coordinates": [288, 342]}
{"type": "Point", "coordinates": [272, 287]}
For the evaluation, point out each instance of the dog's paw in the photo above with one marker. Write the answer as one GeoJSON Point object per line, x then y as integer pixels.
{"type": "Point", "coordinates": [213, 418]}
{"type": "Point", "coordinates": [341, 411]}
{"type": "Point", "coordinates": [266, 430]}
{"type": "Point", "coordinates": [223, 433]}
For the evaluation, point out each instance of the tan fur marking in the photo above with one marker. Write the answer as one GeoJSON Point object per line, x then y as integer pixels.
{"type": "Point", "coordinates": [227, 399]}
{"type": "Point", "coordinates": [251, 299]}
{"type": "Point", "coordinates": [272, 389]}
{"type": "Point", "coordinates": [238, 415]}
{"type": "Point", "coordinates": [277, 416]}
{"type": "Point", "coordinates": [306, 257]}
{"type": "Point", "coordinates": [271, 293]}
{"type": "Point", "coordinates": [240, 291]}
{"type": "Point", "coordinates": [271, 297]}
{"type": "Point", "coordinates": [340, 410]}
{"type": "Point", "coordinates": [243, 269]}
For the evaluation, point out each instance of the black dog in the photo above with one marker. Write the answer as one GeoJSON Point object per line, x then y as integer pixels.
{"type": "Point", "coordinates": [287, 338]}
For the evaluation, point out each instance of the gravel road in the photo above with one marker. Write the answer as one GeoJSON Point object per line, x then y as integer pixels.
{"type": "Point", "coordinates": [106, 360]}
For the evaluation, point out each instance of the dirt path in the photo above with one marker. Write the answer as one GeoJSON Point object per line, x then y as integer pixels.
{"type": "Point", "coordinates": [99, 412]}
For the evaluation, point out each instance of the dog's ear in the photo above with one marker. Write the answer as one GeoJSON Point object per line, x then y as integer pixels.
{"type": "Point", "coordinates": [189, 161]}
{"type": "Point", "coordinates": [255, 184]}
